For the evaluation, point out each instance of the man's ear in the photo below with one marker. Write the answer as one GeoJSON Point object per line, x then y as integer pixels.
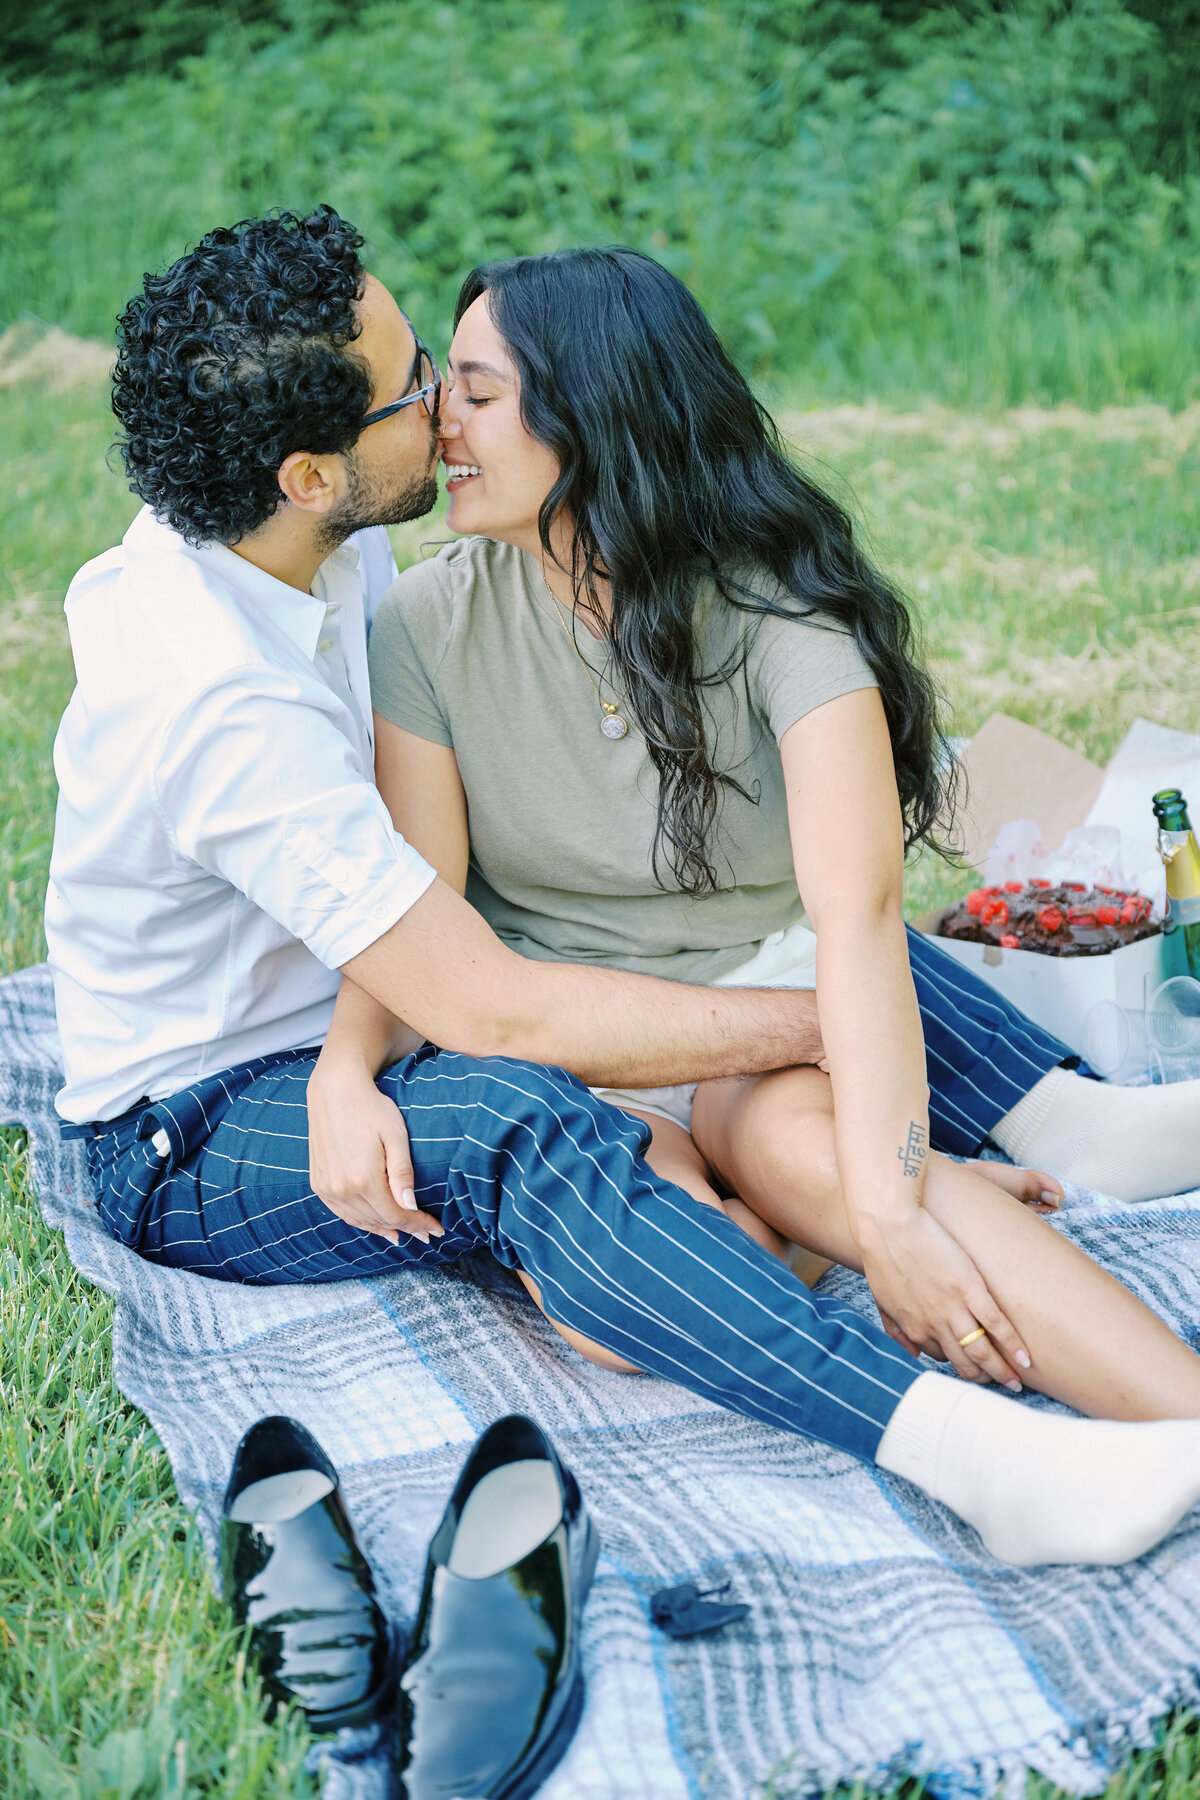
{"type": "Point", "coordinates": [312, 483]}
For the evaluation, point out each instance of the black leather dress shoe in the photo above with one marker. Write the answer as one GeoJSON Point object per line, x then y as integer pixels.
{"type": "Point", "coordinates": [291, 1567]}
{"type": "Point", "coordinates": [492, 1689]}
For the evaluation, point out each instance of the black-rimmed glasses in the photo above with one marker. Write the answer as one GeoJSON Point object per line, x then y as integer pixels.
{"type": "Point", "coordinates": [429, 391]}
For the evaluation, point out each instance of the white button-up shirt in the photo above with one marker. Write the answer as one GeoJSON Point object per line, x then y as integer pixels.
{"type": "Point", "coordinates": [220, 848]}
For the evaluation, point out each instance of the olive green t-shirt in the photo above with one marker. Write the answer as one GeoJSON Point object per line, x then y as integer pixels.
{"type": "Point", "coordinates": [466, 650]}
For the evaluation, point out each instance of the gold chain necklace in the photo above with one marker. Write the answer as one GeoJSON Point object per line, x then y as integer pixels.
{"type": "Point", "coordinates": [612, 724]}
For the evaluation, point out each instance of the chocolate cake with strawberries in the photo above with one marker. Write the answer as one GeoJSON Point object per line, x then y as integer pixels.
{"type": "Point", "coordinates": [1068, 919]}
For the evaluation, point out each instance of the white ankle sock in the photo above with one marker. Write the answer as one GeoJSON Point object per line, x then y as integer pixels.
{"type": "Point", "coordinates": [1132, 1143]}
{"type": "Point", "coordinates": [1039, 1488]}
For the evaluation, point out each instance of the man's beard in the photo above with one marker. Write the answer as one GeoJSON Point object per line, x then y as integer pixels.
{"type": "Point", "coordinates": [368, 503]}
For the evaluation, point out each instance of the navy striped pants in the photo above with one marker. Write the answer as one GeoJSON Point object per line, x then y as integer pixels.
{"type": "Point", "coordinates": [981, 1053]}
{"type": "Point", "coordinates": [525, 1162]}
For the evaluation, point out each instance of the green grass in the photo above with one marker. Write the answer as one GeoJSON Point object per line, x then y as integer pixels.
{"type": "Point", "coordinates": [124, 1677]}
{"type": "Point", "coordinates": [1054, 560]}
{"type": "Point", "coordinates": [1053, 556]}
{"type": "Point", "coordinates": [965, 199]}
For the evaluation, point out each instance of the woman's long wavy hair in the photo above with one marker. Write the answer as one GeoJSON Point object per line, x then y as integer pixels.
{"type": "Point", "coordinates": [674, 475]}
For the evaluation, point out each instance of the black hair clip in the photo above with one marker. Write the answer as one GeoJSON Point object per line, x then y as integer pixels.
{"type": "Point", "coordinates": [686, 1611]}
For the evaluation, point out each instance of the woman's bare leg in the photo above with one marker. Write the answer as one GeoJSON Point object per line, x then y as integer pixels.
{"type": "Point", "coordinates": [595, 1353]}
{"type": "Point", "coordinates": [1093, 1344]}
{"type": "Point", "coordinates": [674, 1156]}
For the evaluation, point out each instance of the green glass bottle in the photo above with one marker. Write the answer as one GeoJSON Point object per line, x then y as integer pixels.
{"type": "Point", "coordinates": [1178, 848]}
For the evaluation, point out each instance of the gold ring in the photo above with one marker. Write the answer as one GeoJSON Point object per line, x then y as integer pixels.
{"type": "Point", "coordinates": [972, 1337]}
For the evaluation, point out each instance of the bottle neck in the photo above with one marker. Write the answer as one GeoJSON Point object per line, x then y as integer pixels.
{"type": "Point", "coordinates": [1174, 819]}
{"type": "Point", "coordinates": [1170, 809]}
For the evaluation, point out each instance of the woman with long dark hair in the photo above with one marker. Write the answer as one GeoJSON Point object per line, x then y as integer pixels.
{"type": "Point", "coordinates": [654, 698]}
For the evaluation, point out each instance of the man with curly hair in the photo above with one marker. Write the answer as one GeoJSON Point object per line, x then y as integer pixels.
{"type": "Point", "coordinates": [222, 858]}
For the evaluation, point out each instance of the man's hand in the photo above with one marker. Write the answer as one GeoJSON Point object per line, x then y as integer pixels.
{"type": "Point", "coordinates": [930, 1295]}
{"type": "Point", "coordinates": [444, 970]}
{"type": "Point", "coordinates": [359, 1162]}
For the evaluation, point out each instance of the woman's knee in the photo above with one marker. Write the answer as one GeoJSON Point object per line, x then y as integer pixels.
{"type": "Point", "coordinates": [673, 1156]}
{"type": "Point", "coordinates": [776, 1127]}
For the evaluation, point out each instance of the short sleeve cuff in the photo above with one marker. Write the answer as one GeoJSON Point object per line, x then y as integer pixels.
{"type": "Point", "coordinates": [430, 726]}
{"type": "Point", "coordinates": [361, 920]}
{"type": "Point", "coordinates": [784, 716]}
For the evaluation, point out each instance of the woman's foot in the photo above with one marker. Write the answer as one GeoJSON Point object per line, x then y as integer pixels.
{"type": "Point", "coordinates": [1032, 1187]}
{"type": "Point", "coordinates": [1039, 1488]}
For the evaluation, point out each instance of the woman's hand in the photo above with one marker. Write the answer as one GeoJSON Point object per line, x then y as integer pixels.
{"type": "Point", "coordinates": [359, 1162]}
{"type": "Point", "coordinates": [930, 1295]}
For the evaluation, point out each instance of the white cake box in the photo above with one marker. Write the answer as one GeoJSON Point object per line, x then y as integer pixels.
{"type": "Point", "coordinates": [1059, 992]}
{"type": "Point", "coordinates": [1013, 771]}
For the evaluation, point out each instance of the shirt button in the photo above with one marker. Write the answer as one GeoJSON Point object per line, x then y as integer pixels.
{"type": "Point", "coordinates": [379, 911]}
{"type": "Point", "coordinates": [325, 645]}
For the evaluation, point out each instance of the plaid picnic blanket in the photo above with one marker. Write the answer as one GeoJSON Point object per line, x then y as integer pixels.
{"type": "Point", "coordinates": [882, 1639]}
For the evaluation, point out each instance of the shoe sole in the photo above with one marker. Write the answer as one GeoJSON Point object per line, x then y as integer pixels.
{"type": "Point", "coordinates": [527, 1780]}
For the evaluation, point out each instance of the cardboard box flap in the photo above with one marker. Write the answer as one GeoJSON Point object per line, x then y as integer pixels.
{"type": "Point", "coordinates": [1013, 771]}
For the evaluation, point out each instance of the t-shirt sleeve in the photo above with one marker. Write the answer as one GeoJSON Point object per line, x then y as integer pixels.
{"type": "Point", "coordinates": [408, 641]}
{"type": "Point", "coordinates": [795, 665]}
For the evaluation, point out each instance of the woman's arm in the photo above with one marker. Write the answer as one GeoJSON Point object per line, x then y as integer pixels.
{"type": "Point", "coordinates": [423, 791]}
{"type": "Point", "coordinates": [359, 1159]}
{"type": "Point", "coordinates": [608, 1026]}
{"type": "Point", "coordinates": [848, 844]}
{"type": "Point", "coordinates": [476, 995]}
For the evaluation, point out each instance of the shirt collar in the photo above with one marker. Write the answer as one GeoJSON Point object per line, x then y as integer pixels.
{"type": "Point", "coordinates": [299, 616]}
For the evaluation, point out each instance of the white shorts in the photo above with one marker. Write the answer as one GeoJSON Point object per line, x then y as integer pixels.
{"type": "Point", "coordinates": [786, 959]}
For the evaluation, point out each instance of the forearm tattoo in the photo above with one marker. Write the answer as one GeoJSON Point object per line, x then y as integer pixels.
{"type": "Point", "coordinates": [913, 1153]}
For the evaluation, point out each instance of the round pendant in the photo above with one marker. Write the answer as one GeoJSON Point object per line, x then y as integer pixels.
{"type": "Point", "coordinates": [613, 725]}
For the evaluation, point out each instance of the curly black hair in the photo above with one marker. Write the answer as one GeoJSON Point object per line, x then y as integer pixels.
{"type": "Point", "coordinates": [234, 358]}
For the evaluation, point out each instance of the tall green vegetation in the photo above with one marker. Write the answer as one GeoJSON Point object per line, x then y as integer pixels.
{"type": "Point", "coordinates": [976, 200]}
